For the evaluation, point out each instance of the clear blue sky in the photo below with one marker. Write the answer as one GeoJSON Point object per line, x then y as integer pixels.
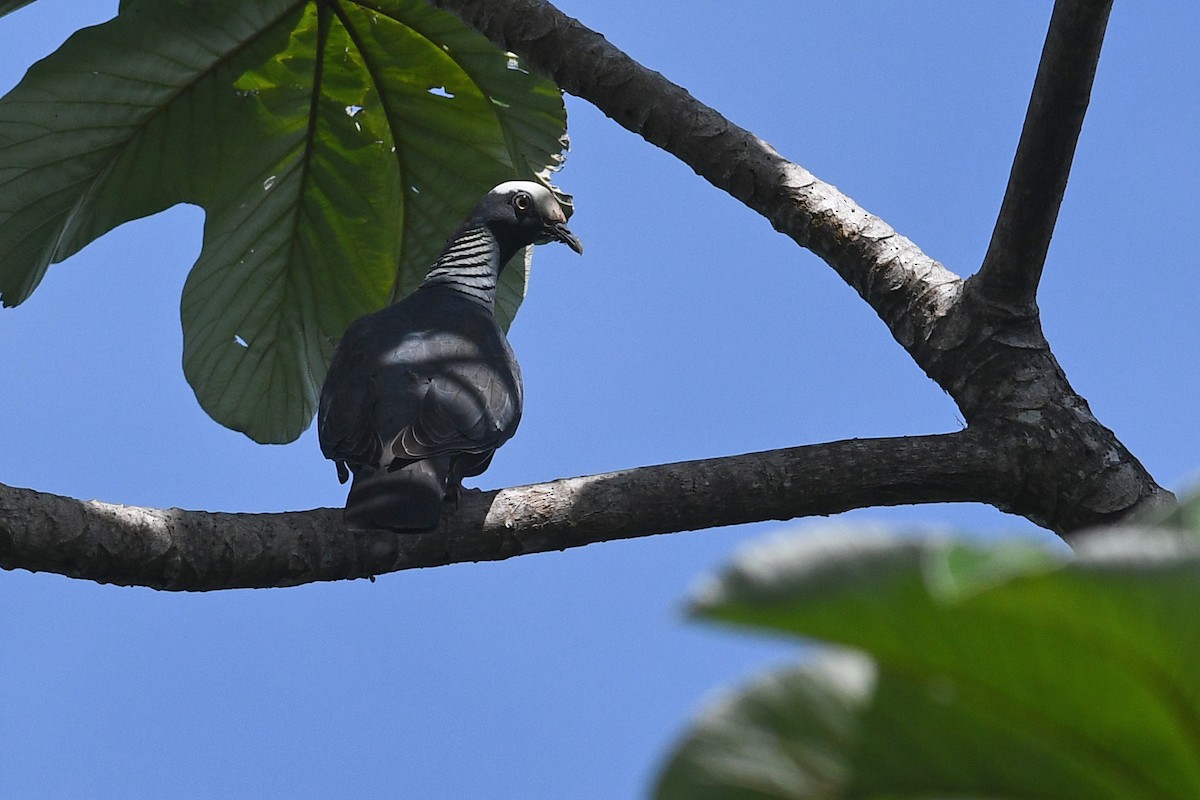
{"type": "Point", "coordinates": [689, 329]}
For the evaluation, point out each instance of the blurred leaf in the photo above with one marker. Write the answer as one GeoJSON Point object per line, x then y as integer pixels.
{"type": "Point", "coordinates": [998, 670]}
{"type": "Point", "coordinates": [333, 146]}
{"type": "Point", "coordinates": [783, 736]}
{"type": "Point", "coordinates": [1183, 517]}
{"type": "Point", "coordinates": [9, 6]}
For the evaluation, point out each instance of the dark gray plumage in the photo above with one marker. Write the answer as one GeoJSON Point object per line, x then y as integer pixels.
{"type": "Point", "coordinates": [420, 394]}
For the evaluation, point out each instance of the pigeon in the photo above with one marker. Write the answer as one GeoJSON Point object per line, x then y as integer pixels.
{"type": "Point", "coordinates": [420, 394]}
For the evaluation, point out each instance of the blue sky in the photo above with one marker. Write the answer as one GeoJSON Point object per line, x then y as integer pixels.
{"type": "Point", "coordinates": [690, 329]}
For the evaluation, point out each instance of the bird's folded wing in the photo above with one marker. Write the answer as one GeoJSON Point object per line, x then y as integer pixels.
{"type": "Point", "coordinates": [344, 416]}
{"type": "Point", "coordinates": [468, 410]}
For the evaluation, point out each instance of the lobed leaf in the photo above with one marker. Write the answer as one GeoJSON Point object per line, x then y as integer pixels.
{"type": "Point", "coordinates": [995, 670]}
{"type": "Point", "coordinates": [333, 146]}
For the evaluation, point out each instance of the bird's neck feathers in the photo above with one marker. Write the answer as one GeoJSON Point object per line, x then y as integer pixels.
{"type": "Point", "coordinates": [470, 265]}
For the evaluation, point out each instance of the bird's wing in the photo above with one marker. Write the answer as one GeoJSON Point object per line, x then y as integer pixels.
{"type": "Point", "coordinates": [402, 387]}
{"type": "Point", "coordinates": [348, 399]}
{"type": "Point", "coordinates": [471, 406]}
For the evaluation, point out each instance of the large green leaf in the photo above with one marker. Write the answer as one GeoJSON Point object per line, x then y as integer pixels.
{"type": "Point", "coordinates": [333, 145]}
{"type": "Point", "coordinates": [986, 670]}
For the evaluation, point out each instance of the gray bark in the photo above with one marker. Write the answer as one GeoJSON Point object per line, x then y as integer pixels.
{"type": "Point", "coordinates": [981, 340]}
{"type": "Point", "coordinates": [197, 550]}
{"type": "Point", "coordinates": [1032, 446]}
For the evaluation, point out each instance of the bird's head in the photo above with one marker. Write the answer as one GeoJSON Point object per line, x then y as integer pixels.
{"type": "Point", "coordinates": [521, 213]}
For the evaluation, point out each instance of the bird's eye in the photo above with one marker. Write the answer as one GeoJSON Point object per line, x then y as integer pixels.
{"type": "Point", "coordinates": [522, 201]}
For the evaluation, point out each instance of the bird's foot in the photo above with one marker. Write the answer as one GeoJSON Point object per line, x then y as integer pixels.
{"type": "Point", "coordinates": [454, 494]}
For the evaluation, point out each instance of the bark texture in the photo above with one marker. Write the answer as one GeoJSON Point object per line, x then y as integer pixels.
{"type": "Point", "coordinates": [1013, 264]}
{"type": "Point", "coordinates": [980, 340]}
{"type": "Point", "coordinates": [1032, 446]}
{"type": "Point", "coordinates": [198, 550]}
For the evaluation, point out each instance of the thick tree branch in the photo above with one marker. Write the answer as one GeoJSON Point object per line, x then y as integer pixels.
{"type": "Point", "coordinates": [908, 289]}
{"type": "Point", "coordinates": [196, 550]}
{"type": "Point", "coordinates": [1032, 446]}
{"type": "Point", "coordinates": [1012, 267]}
{"type": "Point", "coordinates": [996, 364]}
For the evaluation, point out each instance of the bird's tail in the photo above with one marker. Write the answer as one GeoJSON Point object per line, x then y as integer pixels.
{"type": "Point", "coordinates": [407, 500]}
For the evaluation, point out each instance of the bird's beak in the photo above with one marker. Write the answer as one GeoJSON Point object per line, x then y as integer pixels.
{"type": "Point", "coordinates": [558, 232]}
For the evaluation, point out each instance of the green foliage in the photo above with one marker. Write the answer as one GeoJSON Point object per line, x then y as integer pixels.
{"type": "Point", "coordinates": [333, 146]}
{"type": "Point", "coordinates": [998, 670]}
{"type": "Point", "coordinates": [9, 6]}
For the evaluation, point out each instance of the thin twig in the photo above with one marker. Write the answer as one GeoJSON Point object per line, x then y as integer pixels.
{"type": "Point", "coordinates": [1012, 267]}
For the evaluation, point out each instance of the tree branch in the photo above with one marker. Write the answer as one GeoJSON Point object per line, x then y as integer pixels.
{"type": "Point", "coordinates": [1012, 267]}
{"type": "Point", "coordinates": [996, 365]}
{"type": "Point", "coordinates": [1032, 446]}
{"type": "Point", "coordinates": [196, 550]}
{"type": "Point", "coordinates": [908, 289]}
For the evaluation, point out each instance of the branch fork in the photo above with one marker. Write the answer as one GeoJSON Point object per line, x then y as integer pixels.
{"type": "Point", "coordinates": [1031, 447]}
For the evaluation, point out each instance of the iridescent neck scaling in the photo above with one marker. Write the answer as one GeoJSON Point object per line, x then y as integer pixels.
{"type": "Point", "coordinates": [470, 265]}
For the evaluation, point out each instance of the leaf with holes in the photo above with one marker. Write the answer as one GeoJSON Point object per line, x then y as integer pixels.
{"type": "Point", "coordinates": [979, 670]}
{"type": "Point", "coordinates": [333, 146]}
